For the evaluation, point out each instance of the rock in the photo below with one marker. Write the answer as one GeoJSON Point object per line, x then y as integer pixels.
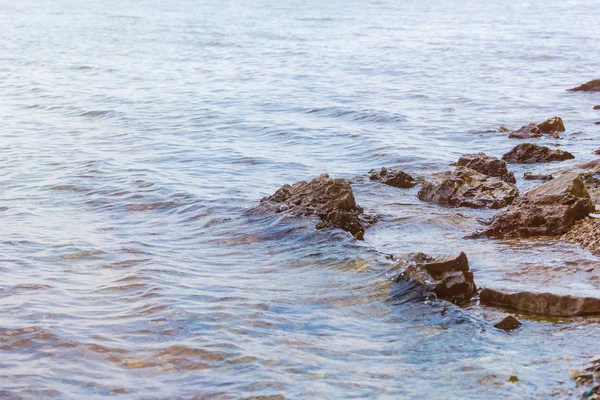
{"type": "Point", "coordinates": [528, 176]}
{"type": "Point", "coordinates": [393, 178]}
{"type": "Point", "coordinates": [585, 234]}
{"type": "Point", "coordinates": [508, 324]}
{"type": "Point", "coordinates": [542, 303]}
{"type": "Point", "coordinates": [529, 153]}
{"type": "Point", "coordinates": [552, 126]}
{"type": "Point", "coordinates": [332, 200]}
{"type": "Point", "coordinates": [597, 123]}
{"type": "Point", "coordinates": [591, 86]}
{"type": "Point", "coordinates": [465, 187]}
{"type": "Point", "coordinates": [548, 209]}
{"type": "Point", "coordinates": [503, 129]}
{"type": "Point", "coordinates": [448, 278]}
{"type": "Point", "coordinates": [596, 107]}
{"type": "Point", "coordinates": [529, 131]}
{"type": "Point", "coordinates": [487, 165]}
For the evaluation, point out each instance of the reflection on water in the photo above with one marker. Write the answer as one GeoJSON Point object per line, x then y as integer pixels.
{"type": "Point", "coordinates": [135, 135]}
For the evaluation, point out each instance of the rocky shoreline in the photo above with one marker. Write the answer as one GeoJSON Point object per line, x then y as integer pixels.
{"type": "Point", "coordinates": [561, 206]}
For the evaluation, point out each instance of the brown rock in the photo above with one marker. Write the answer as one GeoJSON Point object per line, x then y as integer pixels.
{"type": "Point", "coordinates": [503, 129]}
{"type": "Point", "coordinates": [448, 278]}
{"type": "Point", "coordinates": [542, 303]}
{"type": "Point", "coordinates": [548, 209]}
{"type": "Point", "coordinates": [465, 187]}
{"type": "Point", "coordinates": [393, 178]}
{"type": "Point", "coordinates": [591, 86]}
{"type": "Point", "coordinates": [487, 165]}
{"type": "Point", "coordinates": [596, 107]}
{"type": "Point", "coordinates": [585, 234]}
{"type": "Point", "coordinates": [529, 153]}
{"type": "Point", "coordinates": [552, 126]}
{"type": "Point", "coordinates": [528, 176]}
{"type": "Point", "coordinates": [529, 131]}
{"type": "Point", "coordinates": [329, 199]}
{"type": "Point", "coordinates": [508, 324]}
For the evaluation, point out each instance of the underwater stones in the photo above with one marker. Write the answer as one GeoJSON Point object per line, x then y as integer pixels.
{"type": "Point", "coordinates": [332, 200]}
{"type": "Point", "coordinates": [447, 278]}
{"type": "Point", "coordinates": [528, 131]}
{"type": "Point", "coordinates": [465, 187]}
{"type": "Point", "coordinates": [529, 153]}
{"type": "Point", "coordinates": [548, 209]}
{"type": "Point", "coordinates": [394, 178]}
{"type": "Point", "coordinates": [487, 165]}
{"type": "Point", "coordinates": [509, 323]}
{"type": "Point", "coordinates": [541, 303]}
{"type": "Point", "coordinates": [591, 86]}
{"type": "Point", "coordinates": [528, 176]}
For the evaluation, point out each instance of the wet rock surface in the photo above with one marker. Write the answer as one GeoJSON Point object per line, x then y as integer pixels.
{"type": "Point", "coordinates": [530, 153]}
{"type": "Point", "coordinates": [590, 377]}
{"type": "Point", "coordinates": [394, 178]}
{"type": "Point", "coordinates": [529, 176]}
{"type": "Point", "coordinates": [585, 234]}
{"type": "Point", "coordinates": [549, 209]}
{"type": "Point", "coordinates": [548, 304]}
{"type": "Point", "coordinates": [552, 126]}
{"type": "Point", "coordinates": [529, 131]}
{"type": "Point", "coordinates": [509, 323]}
{"type": "Point", "coordinates": [597, 107]}
{"type": "Point", "coordinates": [465, 187]}
{"type": "Point", "coordinates": [447, 278]}
{"type": "Point", "coordinates": [591, 86]}
{"type": "Point", "coordinates": [332, 200]}
{"type": "Point", "coordinates": [487, 165]}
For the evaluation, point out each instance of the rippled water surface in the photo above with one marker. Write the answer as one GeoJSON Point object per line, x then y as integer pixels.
{"type": "Point", "coordinates": [135, 135]}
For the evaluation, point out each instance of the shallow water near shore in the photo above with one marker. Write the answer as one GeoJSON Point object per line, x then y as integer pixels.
{"type": "Point", "coordinates": [136, 135]}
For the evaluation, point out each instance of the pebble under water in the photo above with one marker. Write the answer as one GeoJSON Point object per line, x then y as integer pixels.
{"type": "Point", "coordinates": [136, 135]}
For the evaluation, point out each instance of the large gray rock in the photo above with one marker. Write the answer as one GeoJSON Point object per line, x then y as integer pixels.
{"type": "Point", "coordinates": [591, 86]}
{"type": "Point", "coordinates": [332, 200]}
{"type": "Point", "coordinates": [487, 165]}
{"type": "Point", "coordinates": [447, 278]}
{"type": "Point", "coordinates": [541, 303]}
{"type": "Point", "coordinates": [548, 209]}
{"type": "Point", "coordinates": [529, 153]}
{"type": "Point", "coordinates": [465, 187]}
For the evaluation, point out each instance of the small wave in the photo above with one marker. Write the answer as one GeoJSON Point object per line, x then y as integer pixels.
{"type": "Point", "coordinates": [356, 115]}
{"type": "Point", "coordinates": [98, 114]}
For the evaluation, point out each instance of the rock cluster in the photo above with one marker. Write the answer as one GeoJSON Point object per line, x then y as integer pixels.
{"type": "Point", "coordinates": [529, 153]}
{"type": "Point", "coordinates": [332, 200]}
{"type": "Point", "coordinates": [447, 278]}
{"type": "Point", "coordinates": [549, 209]}
{"type": "Point", "coordinates": [551, 127]}
{"type": "Point", "coordinates": [487, 165]}
{"type": "Point", "coordinates": [395, 178]}
{"type": "Point", "coordinates": [465, 187]}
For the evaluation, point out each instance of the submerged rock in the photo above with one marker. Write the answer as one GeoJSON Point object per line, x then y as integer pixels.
{"type": "Point", "coordinates": [528, 131]}
{"type": "Point", "coordinates": [395, 178]}
{"type": "Point", "coordinates": [542, 303]}
{"type": "Point", "coordinates": [591, 86]}
{"type": "Point", "coordinates": [529, 153]}
{"type": "Point", "coordinates": [548, 209]}
{"type": "Point", "coordinates": [466, 187]}
{"type": "Point", "coordinates": [508, 324]}
{"type": "Point", "coordinates": [447, 278]}
{"type": "Point", "coordinates": [332, 200]}
{"type": "Point", "coordinates": [528, 176]}
{"type": "Point", "coordinates": [487, 165]}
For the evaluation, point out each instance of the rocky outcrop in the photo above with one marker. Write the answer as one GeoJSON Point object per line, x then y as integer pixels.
{"type": "Point", "coordinates": [528, 131]}
{"type": "Point", "coordinates": [550, 127]}
{"type": "Point", "coordinates": [548, 209]}
{"type": "Point", "coordinates": [585, 234]}
{"type": "Point", "coordinates": [332, 200]}
{"type": "Point", "coordinates": [529, 153]}
{"type": "Point", "coordinates": [465, 187]}
{"type": "Point", "coordinates": [541, 303]}
{"type": "Point", "coordinates": [487, 165]}
{"type": "Point", "coordinates": [591, 86]}
{"type": "Point", "coordinates": [446, 278]}
{"type": "Point", "coordinates": [509, 323]}
{"type": "Point", "coordinates": [395, 178]}
{"type": "Point", "coordinates": [529, 176]}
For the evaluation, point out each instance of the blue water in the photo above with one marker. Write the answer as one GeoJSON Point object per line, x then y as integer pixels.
{"type": "Point", "coordinates": [135, 135]}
